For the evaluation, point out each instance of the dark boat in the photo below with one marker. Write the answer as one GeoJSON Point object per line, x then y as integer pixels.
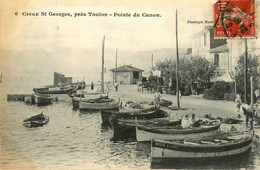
{"type": "Point", "coordinates": [55, 90]}
{"type": "Point", "coordinates": [36, 121]}
{"type": "Point", "coordinates": [220, 145]}
{"type": "Point", "coordinates": [109, 117]}
{"type": "Point", "coordinates": [123, 131]}
{"type": "Point", "coordinates": [42, 99]}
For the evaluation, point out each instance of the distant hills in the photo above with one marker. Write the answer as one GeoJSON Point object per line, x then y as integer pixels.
{"type": "Point", "coordinates": [79, 62]}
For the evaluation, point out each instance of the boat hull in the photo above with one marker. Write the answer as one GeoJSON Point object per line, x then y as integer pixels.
{"type": "Point", "coordinates": [35, 123]}
{"type": "Point", "coordinates": [122, 131]}
{"type": "Point", "coordinates": [144, 134]}
{"type": "Point", "coordinates": [109, 117]}
{"type": "Point", "coordinates": [60, 91]}
{"type": "Point", "coordinates": [113, 105]}
{"type": "Point", "coordinates": [173, 150]}
{"type": "Point", "coordinates": [76, 100]}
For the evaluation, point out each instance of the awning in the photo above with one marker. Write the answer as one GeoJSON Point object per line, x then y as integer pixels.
{"type": "Point", "coordinates": [225, 77]}
{"type": "Point", "coordinates": [219, 49]}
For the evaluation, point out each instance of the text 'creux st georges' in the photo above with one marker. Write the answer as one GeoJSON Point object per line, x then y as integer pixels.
{"type": "Point", "coordinates": [89, 14]}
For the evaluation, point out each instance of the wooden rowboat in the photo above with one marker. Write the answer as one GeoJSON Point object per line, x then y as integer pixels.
{"type": "Point", "coordinates": [215, 146]}
{"type": "Point", "coordinates": [36, 121]}
{"type": "Point", "coordinates": [147, 113]}
{"type": "Point", "coordinates": [101, 103]}
{"type": "Point", "coordinates": [76, 99]}
{"type": "Point", "coordinates": [120, 127]}
{"type": "Point", "coordinates": [56, 90]}
{"type": "Point", "coordinates": [146, 133]}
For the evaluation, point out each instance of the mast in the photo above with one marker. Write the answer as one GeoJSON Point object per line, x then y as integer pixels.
{"type": "Point", "coordinates": [116, 66]}
{"type": "Point", "coordinates": [102, 74]}
{"type": "Point", "coordinates": [177, 65]}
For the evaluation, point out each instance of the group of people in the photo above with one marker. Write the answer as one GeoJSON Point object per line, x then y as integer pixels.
{"type": "Point", "coordinates": [187, 121]}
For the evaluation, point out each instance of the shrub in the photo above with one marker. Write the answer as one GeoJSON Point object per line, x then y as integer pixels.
{"type": "Point", "coordinates": [232, 97]}
{"type": "Point", "coordinates": [208, 94]}
{"type": "Point", "coordinates": [219, 91]}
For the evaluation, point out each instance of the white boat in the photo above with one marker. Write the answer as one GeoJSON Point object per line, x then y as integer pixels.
{"type": "Point", "coordinates": [216, 146]}
{"type": "Point", "coordinates": [146, 133]}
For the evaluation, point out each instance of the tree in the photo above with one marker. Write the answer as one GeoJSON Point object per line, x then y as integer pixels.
{"type": "Point", "coordinates": [190, 70]}
{"type": "Point", "coordinates": [253, 70]}
{"type": "Point", "coordinates": [168, 73]}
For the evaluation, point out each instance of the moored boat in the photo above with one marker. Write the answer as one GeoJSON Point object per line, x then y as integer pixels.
{"type": "Point", "coordinates": [206, 128]}
{"type": "Point", "coordinates": [215, 146]}
{"type": "Point", "coordinates": [101, 103]}
{"type": "Point", "coordinates": [112, 116]}
{"type": "Point", "coordinates": [42, 99]}
{"type": "Point", "coordinates": [121, 129]}
{"type": "Point", "coordinates": [55, 90]}
{"type": "Point", "coordinates": [36, 121]}
{"type": "Point", "coordinates": [77, 98]}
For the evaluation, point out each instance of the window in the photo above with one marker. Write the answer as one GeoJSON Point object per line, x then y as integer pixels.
{"type": "Point", "coordinates": [205, 39]}
{"type": "Point", "coordinates": [216, 59]}
{"type": "Point", "coordinates": [136, 75]}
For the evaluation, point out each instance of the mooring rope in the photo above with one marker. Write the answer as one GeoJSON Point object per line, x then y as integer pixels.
{"type": "Point", "coordinates": [108, 157]}
{"type": "Point", "coordinates": [87, 126]}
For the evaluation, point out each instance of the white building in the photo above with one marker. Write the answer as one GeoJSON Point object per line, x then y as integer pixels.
{"type": "Point", "coordinates": [221, 52]}
{"type": "Point", "coordinates": [237, 48]}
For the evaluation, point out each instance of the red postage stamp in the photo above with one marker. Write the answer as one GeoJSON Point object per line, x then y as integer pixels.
{"type": "Point", "coordinates": [234, 18]}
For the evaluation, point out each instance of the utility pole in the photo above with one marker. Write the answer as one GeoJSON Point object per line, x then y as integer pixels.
{"type": "Point", "coordinates": [245, 72]}
{"type": "Point", "coordinates": [152, 65]}
{"type": "Point", "coordinates": [102, 74]}
{"type": "Point", "coordinates": [252, 91]}
{"type": "Point", "coordinates": [152, 60]}
{"type": "Point", "coordinates": [177, 64]}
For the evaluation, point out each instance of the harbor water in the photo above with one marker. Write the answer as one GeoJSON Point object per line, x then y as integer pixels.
{"type": "Point", "coordinates": [74, 139]}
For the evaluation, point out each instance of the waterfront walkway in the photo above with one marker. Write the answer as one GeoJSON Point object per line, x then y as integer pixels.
{"type": "Point", "coordinates": [190, 104]}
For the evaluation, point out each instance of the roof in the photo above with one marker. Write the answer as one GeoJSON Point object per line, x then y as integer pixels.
{"type": "Point", "coordinates": [219, 49]}
{"type": "Point", "coordinates": [126, 68]}
{"type": "Point", "coordinates": [59, 74]}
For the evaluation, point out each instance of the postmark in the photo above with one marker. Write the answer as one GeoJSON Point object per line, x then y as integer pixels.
{"type": "Point", "coordinates": [234, 19]}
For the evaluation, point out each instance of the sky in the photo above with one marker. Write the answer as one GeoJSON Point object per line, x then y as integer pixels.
{"type": "Point", "coordinates": [72, 45]}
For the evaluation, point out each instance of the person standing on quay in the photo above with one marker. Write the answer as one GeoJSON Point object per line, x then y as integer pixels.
{"type": "Point", "coordinates": [116, 86]}
{"type": "Point", "coordinates": [249, 113]}
{"type": "Point", "coordinates": [238, 102]}
{"type": "Point", "coordinates": [157, 98]}
{"type": "Point", "coordinates": [92, 86]}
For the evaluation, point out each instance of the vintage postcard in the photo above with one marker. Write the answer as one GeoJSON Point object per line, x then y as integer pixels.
{"type": "Point", "coordinates": [129, 84]}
